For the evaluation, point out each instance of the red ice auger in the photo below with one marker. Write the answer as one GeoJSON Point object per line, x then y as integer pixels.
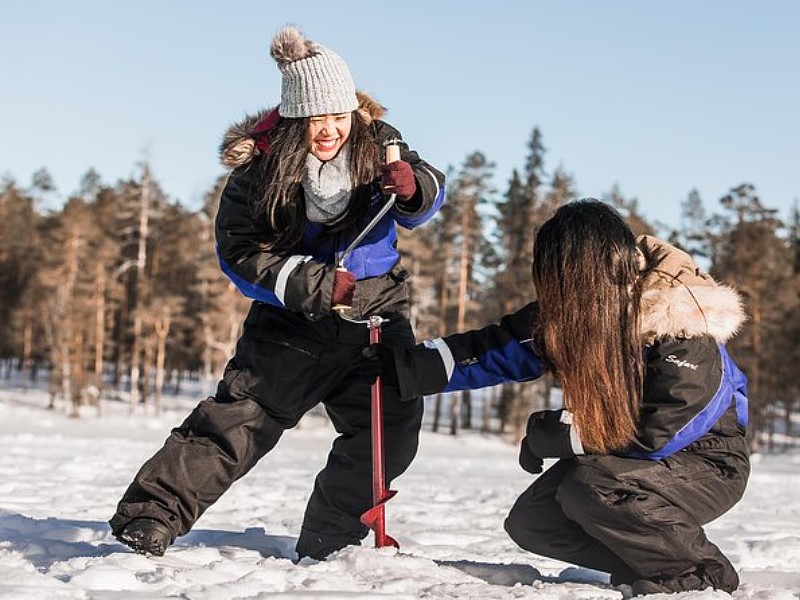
{"type": "Point", "coordinates": [375, 517]}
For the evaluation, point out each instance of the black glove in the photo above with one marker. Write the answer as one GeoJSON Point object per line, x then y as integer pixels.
{"type": "Point", "coordinates": [527, 459]}
{"type": "Point", "coordinates": [378, 361]}
{"type": "Point", "coordinates": [548, 436]}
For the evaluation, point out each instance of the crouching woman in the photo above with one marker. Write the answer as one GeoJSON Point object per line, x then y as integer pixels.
{"type": "Point", "coordinates": [651, 439]}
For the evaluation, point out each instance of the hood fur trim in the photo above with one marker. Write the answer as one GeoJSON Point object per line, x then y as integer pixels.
{"type": "Point", "coordinates": [369, 108]}
{"type": "Point", "coordinates": [238, 146]}
{"type": "Point", "coordinates": [686, 311]}
{"type": "Point", "coordinates": [247, 138]}
{"type": "Point", "coordinates": [681, 300]}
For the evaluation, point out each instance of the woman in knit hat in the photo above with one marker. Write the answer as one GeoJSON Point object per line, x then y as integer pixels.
{"type": "Point", "coordinates": [309, 176]}
{"type": "Point", "coordinates": [650, 441]}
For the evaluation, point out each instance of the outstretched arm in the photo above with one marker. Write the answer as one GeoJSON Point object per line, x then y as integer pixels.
{"type": "Point", "coordinates": [498, 353]}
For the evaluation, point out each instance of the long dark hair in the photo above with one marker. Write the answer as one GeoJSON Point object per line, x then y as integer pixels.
{"type": "Point", "coordinates": [586, 273]}
{"type": "Point", "coordinates": [280, 195]}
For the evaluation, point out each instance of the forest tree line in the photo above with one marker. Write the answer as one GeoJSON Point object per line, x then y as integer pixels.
{"type": "Point", "coordinates": [118, 295]}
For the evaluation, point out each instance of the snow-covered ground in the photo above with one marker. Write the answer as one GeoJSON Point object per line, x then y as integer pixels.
{"type": "Point", "coordinates": [60, 479]}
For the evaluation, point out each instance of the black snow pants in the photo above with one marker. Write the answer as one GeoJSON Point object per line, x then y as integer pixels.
{"type": "Point", "coordinates": [284, 366]}
{"type": "Point", "coordinates": [634, 519]}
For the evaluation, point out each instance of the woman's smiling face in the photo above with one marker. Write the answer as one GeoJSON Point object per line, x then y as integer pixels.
{"type": "Point", "coordinates": [328, 133]}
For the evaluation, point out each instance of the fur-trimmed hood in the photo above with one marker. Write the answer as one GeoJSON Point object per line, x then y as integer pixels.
{"type": "Point", "coordinates": [249, 137]}
{"type": "Point", "coordinates": [681, 300]}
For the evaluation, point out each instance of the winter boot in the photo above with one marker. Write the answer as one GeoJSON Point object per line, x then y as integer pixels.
{"type": "Point", "coordinates": [146, 536]}
{"type": "Point", "coordinates": [319, 546]}
{"type": "Point", "coordinates": [682, 583]}
{"type": "Point", "coordinates": [717, 576]}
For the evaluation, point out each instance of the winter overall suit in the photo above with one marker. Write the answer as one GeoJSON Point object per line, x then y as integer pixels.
{"type": "Point", "coordinates": [639, 514]}
{"type": "Point", "coordinates": [294, 353]}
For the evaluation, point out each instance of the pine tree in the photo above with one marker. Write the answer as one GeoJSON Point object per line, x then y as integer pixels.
{"type": "Point", "coordinates": [471, 190]}
{"type": "Point", "coordinates": [419, 255]}
{"type": "Point", "coordinates": [693, 226]}
{"type": "Point", "coordinates": [629, 209]}
{"type": "Point", "coordinates": [213, 303]}
{"type": "Point", "coordinates": [19, 251]}
{"type": "Point", "coordinates": [67, 308]}
{"type": "Point", "coordinates": [752, 257]}
{"type": "Point", "coordinates": [521, 212]}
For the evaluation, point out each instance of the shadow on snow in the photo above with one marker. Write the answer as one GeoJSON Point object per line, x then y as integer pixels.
{"type": "Point", "coordinates": [513, 574]}
{"type": "Point", "coordinates": [46, 541]}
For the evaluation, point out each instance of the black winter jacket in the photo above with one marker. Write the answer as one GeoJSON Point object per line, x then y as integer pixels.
{"type": "Point", "coordinates": [695, 397]}
{"type": "Point", "coordinates": [301, 279]}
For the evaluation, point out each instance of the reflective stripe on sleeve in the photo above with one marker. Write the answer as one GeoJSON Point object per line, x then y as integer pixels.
{"type": "Point", "coordinates": [283, 275]}
{"type": "Point", "coordinates": [448, 362]}
{"type": "Point", "coordinates": [574, 438]}
{"type": "Point", "coordinates": [435, 181]}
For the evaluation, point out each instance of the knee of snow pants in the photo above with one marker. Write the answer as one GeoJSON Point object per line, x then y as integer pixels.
{"type": "Point", "coordinates": [538, 523]}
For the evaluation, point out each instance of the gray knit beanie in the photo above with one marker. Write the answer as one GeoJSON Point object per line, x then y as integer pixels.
{"type": "Point", "coordinates": [316, 81]}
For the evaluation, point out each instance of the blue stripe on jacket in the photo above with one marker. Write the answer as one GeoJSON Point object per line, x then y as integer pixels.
{"type": "Point", "coordinates": [732, 389]}
{"type": "Point", "coordinates": [248, 289]}
{"type": "Point", "coordinates": [739, 383]}
{"type": "Point", "coordinates": [513, 362]}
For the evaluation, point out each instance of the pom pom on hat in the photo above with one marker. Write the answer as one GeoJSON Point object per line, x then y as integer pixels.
{"type": "Point", "coordinates": [315, 80]}
{"type": "Point", "coordinates": [290, 45]}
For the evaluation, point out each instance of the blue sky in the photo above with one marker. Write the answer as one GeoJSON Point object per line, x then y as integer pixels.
{"type": "Point", "coordinates": [656, 97]}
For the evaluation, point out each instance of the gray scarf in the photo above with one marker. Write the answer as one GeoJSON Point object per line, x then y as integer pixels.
{"type": "Point", "coordinates": [327, 186]}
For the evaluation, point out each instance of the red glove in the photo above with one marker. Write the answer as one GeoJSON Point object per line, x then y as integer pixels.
{"type": "Point", "coordinates": [344, 284]}
{"type": "Point", "coordinates": [398, 178]}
